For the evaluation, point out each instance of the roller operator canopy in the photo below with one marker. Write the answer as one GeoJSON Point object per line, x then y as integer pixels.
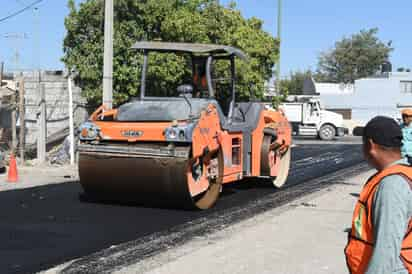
{"type": "Point", "coordinates": [192, 48]}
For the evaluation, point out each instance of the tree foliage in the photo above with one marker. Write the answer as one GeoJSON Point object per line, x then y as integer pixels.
{"type": "Point", "coordinates": [294, 83]}
{"type": "Point", "coordinates": [402, 69]}
{"type": "Point", "coordinates": [202, 21]}
{"type": "Point", "coordinates": [360, 55]}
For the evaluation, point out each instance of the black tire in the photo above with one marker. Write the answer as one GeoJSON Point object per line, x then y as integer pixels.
{"type": "Point", "coordinates": [327, 132]}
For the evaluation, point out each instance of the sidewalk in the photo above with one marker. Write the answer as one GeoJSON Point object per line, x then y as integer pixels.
{"type": "Point", "coordinates": [305, 237]}
{"type": "Point", "coordinates": [32, 176]}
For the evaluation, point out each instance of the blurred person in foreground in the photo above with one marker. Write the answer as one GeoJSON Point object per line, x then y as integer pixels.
{"type": "Point", "coordinates": [380, 241]}
{"type": "Point", "coordinates": [407, 134]}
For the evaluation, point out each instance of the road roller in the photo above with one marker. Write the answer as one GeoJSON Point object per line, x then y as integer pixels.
{"type": "Point", "coordinates": [178, 148]}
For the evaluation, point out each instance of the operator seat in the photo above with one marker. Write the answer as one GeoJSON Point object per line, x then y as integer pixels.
{"type": "Point", "coordinates": [245, 117]}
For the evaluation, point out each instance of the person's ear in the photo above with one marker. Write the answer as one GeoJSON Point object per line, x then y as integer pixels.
{"type": "Point", "coordinates": [372, 145]}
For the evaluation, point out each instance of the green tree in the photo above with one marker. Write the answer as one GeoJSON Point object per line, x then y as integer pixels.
{"type": "Point", "coordinates": [203, 21]}
{"type": "Point", "coordinates": [402, 69]}
{"type": "Point", "coordinates": [360, 55]}
{"type": "Point", "coordinates": [294, 83]}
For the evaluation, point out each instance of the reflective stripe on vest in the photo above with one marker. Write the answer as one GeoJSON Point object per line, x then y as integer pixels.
{"type": "Point", "coordinates": [361, 240]}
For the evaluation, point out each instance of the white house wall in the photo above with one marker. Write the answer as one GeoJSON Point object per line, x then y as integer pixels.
{"type": "Point", "coordinates": [372, 96]}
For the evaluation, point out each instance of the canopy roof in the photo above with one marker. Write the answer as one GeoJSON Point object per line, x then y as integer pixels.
{"type": "Point", "coordinates": [189, 48]}
{"type": "Point", "coordinates": [5, 91]}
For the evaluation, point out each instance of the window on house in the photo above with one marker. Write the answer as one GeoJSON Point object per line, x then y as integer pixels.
{"type": "Point", "coordinates": [406, 86]}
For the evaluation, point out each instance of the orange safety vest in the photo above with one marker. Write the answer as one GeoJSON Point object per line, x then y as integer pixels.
{"type": "Point", "coordinates": [361, 240]}
{"type": "Point", "coordinates": [202, 83]}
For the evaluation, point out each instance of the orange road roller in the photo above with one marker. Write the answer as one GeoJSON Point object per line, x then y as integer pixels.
{"type": "Point", "coordinates": [178, 148]}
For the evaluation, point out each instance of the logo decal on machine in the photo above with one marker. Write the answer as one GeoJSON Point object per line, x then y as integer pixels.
{"type": "Point", "coordinates": [131, 133]}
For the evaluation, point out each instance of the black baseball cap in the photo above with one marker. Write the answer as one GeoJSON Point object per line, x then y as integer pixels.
{"type": "Point", "coordinates": [383, 131]}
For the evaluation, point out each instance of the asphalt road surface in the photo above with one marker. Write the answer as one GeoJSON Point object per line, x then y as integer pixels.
{"type": "Point", "coordinates": [45, 226]}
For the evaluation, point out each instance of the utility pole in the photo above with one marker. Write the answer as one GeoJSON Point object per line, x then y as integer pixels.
{"type": "Point", "coordinates": [42, 134]}
{"type": "Point", "coordinates": [36, 37]}
{"type": "Point", "coordinates": [279, 25]}
{"type": "Point", "coordinates": [13, 124]}
{"type": "Point", "coordinates": [16, 37]}
{"type": "Point", "coordinates": [108, 55]}
{"type": "Point", "coordinates": [41, 114]}
{"type": "Point", "coordinates": [71, 124]}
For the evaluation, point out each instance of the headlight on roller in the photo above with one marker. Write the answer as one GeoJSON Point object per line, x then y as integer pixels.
{"type": "Point", "coordinates": [179, 133]}
{"type": "Point", "coordinates": [89, 131]}
{"type": "Point", "coordinates": [182, 135]}
{"type": "Point", "coordinates": [171, 133]}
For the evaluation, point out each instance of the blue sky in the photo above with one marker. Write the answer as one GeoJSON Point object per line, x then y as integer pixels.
{"type": "Point", "coordinates": [308, 28]}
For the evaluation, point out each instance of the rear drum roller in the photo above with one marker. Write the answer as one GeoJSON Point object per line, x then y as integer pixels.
{"type": "Point", "coordinates": [274, 163]}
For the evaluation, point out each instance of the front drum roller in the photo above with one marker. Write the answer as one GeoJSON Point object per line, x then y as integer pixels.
{"type": "Point", "coordinates": [160, 182]}
{"type": "Point", "coordinates": [274, 163]}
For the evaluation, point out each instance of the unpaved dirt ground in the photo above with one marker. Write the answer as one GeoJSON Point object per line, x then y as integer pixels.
{"type": "Point", "coordinates": [32, 176]}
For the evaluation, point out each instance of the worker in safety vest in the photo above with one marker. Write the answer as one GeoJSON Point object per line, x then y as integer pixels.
{"type": "Point", "coordinates": [407, 134]}
{"type": "Point", "coordinates": [380, 241]}
{"type": "Point", "coordinates": [200, 81]}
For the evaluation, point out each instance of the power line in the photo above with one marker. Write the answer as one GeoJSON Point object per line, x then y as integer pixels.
{"type": "Point", "coordinates": [21, 2]}
{"type": "Point", "coordinates": [20, 11]}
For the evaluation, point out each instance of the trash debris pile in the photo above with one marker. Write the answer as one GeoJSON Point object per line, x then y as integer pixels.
{"type": "Point", "coordinates": [60, 154]}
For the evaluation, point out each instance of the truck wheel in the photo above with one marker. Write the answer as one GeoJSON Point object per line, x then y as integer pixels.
{"type": "Point", "coordinates": [327, 132]}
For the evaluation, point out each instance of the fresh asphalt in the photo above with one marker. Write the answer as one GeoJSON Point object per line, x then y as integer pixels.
{"type": "Point", "coordinates": [45, 226]}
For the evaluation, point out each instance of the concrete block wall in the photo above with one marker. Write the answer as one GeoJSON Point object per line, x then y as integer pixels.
{"type": "Point", "coordinates": [57, 102]}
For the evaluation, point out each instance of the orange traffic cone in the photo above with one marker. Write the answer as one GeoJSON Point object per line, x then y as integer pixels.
{"type": "Point", "coordinates": [12, 175]}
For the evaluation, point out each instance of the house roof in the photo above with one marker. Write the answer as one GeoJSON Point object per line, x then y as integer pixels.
{"type": "Point", "coordinates": [5, 91]}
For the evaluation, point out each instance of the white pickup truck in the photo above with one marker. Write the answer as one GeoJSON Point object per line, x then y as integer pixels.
{"type": "Point", "coordinates": [308, 118]}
